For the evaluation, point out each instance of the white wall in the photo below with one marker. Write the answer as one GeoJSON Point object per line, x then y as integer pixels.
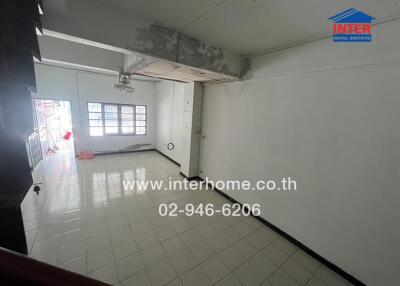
{"type": "Point", "coordinates": [64, 84]}
{"type": "Point", "coordinates": [168, 93]}
{"type": "Point", "coordinates": [328, 115]}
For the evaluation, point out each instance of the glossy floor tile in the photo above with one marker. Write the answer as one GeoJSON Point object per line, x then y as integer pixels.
{"type": "Point", "coordinates": [85, 222]}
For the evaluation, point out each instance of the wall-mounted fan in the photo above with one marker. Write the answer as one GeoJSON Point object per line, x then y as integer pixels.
{"type": "Point", "coordinates": [124, 83]}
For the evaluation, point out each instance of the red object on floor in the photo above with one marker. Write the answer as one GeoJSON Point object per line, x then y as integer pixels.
{"type": "Point", "coordinates": [86, 155]}
{"type": "Point", "coordinates": [67, 135]}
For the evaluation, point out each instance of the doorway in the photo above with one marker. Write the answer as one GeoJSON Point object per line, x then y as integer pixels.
{"type": "Point", "coordinates": [54, 123]}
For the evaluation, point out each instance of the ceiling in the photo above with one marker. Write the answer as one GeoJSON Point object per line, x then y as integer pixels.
{"type": "Point", "coordinates": [249, 27]}
{"type": "Point", "coordinates": [170, 71]}
{"type": "Point", "coordinates": [61, 52]}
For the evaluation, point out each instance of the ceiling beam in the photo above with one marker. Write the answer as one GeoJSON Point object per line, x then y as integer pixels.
{"type": "Point", "coordinates": [88, 22]}
{"type": "Point", "coordinates": [58, 51]}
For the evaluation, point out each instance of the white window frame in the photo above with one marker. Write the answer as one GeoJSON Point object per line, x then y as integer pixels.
{"type": "Point", "coordinates": [139, 126]}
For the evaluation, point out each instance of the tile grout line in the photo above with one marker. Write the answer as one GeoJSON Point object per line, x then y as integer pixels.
{"type": "Point", "coordinates": [154, 225]}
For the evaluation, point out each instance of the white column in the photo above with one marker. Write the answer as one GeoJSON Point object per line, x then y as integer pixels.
{"type": "Point", "coordinates": [193, 96]}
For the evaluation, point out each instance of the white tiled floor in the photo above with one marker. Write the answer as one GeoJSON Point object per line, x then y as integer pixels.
{"type": "Point", "coordinates": [83, 221]}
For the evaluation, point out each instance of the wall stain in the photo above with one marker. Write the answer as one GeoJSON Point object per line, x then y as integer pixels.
{"type": "Point", "coordinates": [135, 147]}
{"type": "Point", "coordinates": [245, 69]}
{"type": "Point", "coordinates": [167, 43]}
{"type": "Point", "coordinates": [158, 41]}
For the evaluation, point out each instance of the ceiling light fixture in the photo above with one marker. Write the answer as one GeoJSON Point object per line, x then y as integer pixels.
{"type": "Point", "coordinates": [124, 83]}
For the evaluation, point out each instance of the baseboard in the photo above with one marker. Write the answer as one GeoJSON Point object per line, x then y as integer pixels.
{"type": "Point", "coordinates": [180, 173]}
{"type": "Point", "coordinates": [290, 238]}
{"type": "Point", "coordinates": [169, 158]}
{"type": "Point", "coordinates": [293, 240]}
{"type": "Point", "coordinates": [190, 178]}
{"type": "Point", "coordinates": [123, 152]}
{"type": "Point", "coordinates": [135, 151]}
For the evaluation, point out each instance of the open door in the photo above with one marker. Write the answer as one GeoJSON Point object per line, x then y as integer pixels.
{"type": "Point", "coordinates": [54, 125]}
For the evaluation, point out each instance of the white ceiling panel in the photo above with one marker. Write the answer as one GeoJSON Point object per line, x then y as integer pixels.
{"type": "Point", "coordinates": [172, 13]}
{"type": "Point", "coordinates": [249, 27]}
{"type": "Point", "coordinates": [252, 26]}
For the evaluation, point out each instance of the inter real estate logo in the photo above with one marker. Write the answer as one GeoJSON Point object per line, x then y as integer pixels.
{"type": "Point", "coordinates": [351, 25]}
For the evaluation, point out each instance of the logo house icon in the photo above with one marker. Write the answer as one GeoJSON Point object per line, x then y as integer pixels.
{"type": "Point", "coordinates": [351, 25]}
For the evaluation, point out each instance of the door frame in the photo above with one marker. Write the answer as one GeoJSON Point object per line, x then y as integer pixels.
{"type": "Point", "coordinates": [70, 108]}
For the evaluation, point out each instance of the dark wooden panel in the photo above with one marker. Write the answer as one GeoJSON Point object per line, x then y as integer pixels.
{"type": "Point", "coordinates": [18, 269]}
{"type": "Point", "coordinates": [13, 233]}
{"type": "Point", "coordinates": [18, 44]}
{"type": "Point", "coordinates": [16, 111]}
{"type": "Point", "coordinates": [15, 171]}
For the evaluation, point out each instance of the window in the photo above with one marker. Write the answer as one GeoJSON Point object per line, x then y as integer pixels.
{"type": "Point", "coordinates": [111, 123]}
{"type": "Point", "coordinates": [127, 119]}
{"type": "Point", "coordinates": [95, 119]}
{"type": "Point", "coordinates": [140, 119]}
{"type": "Point", "coordinates": [116, 119]}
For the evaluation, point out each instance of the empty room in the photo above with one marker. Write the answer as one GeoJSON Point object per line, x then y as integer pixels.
{"type": "Point", "coordinates": [199, 143]}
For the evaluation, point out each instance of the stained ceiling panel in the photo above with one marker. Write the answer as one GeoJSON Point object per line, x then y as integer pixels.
{"type": "Point", "coordinates": [165, 70]}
